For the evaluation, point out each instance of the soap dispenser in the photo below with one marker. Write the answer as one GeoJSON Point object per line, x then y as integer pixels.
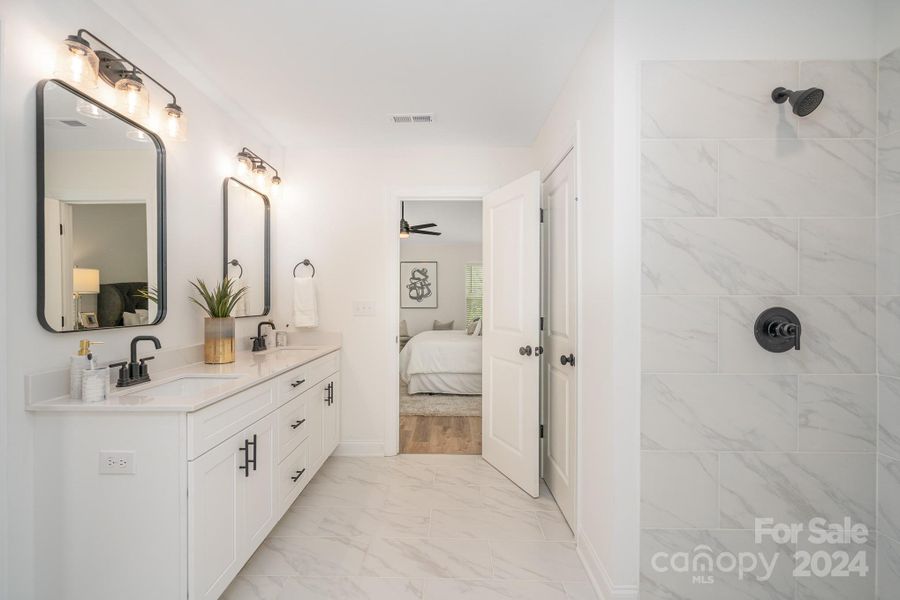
{"type": "Point", "coordinates": [78, 364]}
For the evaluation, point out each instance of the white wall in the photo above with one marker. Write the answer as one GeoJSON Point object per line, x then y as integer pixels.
{"type": "Point", "coordinates": [452, 260]}
{"type": "Point", "coordinates": [335, 213]}
{"type": "Point", "coordinates": [195, 171]}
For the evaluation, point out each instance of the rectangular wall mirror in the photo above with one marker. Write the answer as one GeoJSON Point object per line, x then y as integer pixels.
{"type": "Point", "coordinates": [101, 215]}
{"type": "Point", "coordinates": [247, 246]}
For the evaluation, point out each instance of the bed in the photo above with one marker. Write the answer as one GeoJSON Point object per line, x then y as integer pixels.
{"type": "Point", "coordinates": [442, 362]}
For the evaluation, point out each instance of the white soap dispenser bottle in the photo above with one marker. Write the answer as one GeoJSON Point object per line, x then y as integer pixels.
{"type": "Point", "coordinates": [78, 364]}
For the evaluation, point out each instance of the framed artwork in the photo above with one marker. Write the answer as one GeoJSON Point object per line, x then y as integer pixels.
{"type": "Point", "coordinates": [418, 285]}
{"type": "Point", "coordinates": [88, 320]}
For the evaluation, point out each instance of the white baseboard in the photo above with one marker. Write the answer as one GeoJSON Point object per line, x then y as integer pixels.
{"type": "Point", "coordinates": [375, 448]}
{"type": "Point", "coordinates": [599, 576]}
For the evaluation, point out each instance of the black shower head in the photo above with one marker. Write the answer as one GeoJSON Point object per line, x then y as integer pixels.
{"type": "Point", "coordinates": [802, 101]}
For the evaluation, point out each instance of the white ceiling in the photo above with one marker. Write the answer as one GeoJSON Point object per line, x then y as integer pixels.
{"type": "Point", "coordinates": [459, 221]}
{"type": "Point", "coordinates": [330, 72]}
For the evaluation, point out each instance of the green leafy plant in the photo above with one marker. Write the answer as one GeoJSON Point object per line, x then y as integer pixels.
{"type": "Point", "coordinates": [151, 293]}
{"type": "Point", "coordinates": [219, 302]}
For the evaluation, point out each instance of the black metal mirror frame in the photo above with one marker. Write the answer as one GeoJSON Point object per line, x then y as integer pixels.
{"type": "Point", "coordinates": [226, 260]}
{"type": "Point", "coordinates": [160, 209]}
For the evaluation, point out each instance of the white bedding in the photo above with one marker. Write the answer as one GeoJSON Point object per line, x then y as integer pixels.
{"type": "Point", "coordinates": [440, 354]}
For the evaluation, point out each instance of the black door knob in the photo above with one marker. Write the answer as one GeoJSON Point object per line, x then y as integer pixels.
{"type": "Point", "coordinates": [567, 360]}
{"type": "Point", "coordinates": [525, 350]}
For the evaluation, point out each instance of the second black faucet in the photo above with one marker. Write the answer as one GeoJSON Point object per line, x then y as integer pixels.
{"type": "Point", "coordinates": [259, 342]}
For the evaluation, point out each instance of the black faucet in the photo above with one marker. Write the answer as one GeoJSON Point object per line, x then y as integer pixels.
{"type": "Point", "coordinates": [135, 372]}
{"type": "Point", "coordinates": [259, 342]}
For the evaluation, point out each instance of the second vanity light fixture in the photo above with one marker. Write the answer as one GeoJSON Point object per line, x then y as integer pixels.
{"type": "Point", "coordinates": [79, 64]}
{"type": "Point", "coordinates": [252, 166]}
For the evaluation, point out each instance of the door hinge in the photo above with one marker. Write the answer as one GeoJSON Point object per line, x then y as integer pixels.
{"type": "Point", "coordinates": [542, 215]}
{"type": "Point", "coordinates": [61, 229]}
{"type": "Point", "coordinates": [542, 323]}
{"type": "Point", "coordinates": [542, 431]}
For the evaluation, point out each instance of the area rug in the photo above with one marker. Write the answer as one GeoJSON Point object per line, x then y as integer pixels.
{"type": "Point", "coordinates": [438, 405]}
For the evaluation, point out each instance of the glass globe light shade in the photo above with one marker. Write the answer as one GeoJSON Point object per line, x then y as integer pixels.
{"type": "Point", "coordinates": [76, 63]}
{"type": "Point", "coordinates": [244, 164]}
{"type": "Point", "coordinates": [174, 123]}
{"type": "Point", "coordinates": [132, 97]}
{"type": "Point", "coordinates": [259, 176]}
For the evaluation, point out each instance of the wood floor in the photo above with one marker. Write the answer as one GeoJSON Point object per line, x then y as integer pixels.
{"type": "Point", "coordinates": [440, 435]}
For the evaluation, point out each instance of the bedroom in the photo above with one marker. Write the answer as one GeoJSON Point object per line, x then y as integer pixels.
{"type": "Point", "coordinates": [440, 304]}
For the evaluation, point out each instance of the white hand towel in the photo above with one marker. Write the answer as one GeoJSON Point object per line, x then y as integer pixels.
{"type": "Point", "coordinates": [306, 313]}
{"type": "Point", "coordinates": [240, 308]}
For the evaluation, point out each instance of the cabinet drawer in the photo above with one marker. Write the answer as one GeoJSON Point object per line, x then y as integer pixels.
{"type": "Point", "coordinates": [293, 383]}
{"type": "Point", "coordinates": [214, 424]}
{"type": "Point", "coordinates": [293, 424]}
{"type": "Point", "coordinates": [293, 474]}
{"type": "Point", "coordinates": [321, 368]}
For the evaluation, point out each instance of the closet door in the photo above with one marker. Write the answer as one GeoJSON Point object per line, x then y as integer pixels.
{"type": "Point", "coordinates": [511, 331]}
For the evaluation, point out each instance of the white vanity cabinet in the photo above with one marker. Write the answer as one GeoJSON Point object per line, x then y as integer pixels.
{"type": "Point", "coordinates": [208, 485]}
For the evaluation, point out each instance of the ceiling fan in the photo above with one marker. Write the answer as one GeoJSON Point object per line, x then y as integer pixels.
{"type": "Point", "coordinates": [406, 228]}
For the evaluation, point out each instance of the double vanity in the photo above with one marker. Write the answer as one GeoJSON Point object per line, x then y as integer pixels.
{"type": "Point", "coordinates": [165, 489]}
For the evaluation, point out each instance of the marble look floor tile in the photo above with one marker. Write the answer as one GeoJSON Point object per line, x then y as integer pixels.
{"type": "Point", "coordinates": [453, 589]}
{"type": "Point", "coordinates": [889, 335]}
{"type": "Point", "coordinates": [838, 413]}
{"type": "Point", "coordinates": [889, 416]}
{"type": "Point", "coordinates": [485, 524]}
{"type": "Point", "coordinates": [719, 256]}
{"type": "Point", "coordinates": [715, 99]}
{"type": "Point", "coordinates": [679, 178]}
{"type": "Point", "coordinates": [797, 178]}
{"type": "Point", "coordinates": [850, 96]}
{"type": "Point", "coordinates": [659, 581]}
{"type": "Point", "coordinates": [554, 526]}
{"type": "Point", "coordinates": [254, 587]}
{"type": "Point", "coordinates": [889, 93]}
{"type": "Point", "coordinates": [889, 255]}
{"type": "Point", "coordinates": [326, 493]}
{"type": "Point", "coordinates": [389, 472]}
{"type": "Point", "coordinates": [693, 412]}
{"type": "Point", "coordinates": [308, 557]}
{"type": "Point", "coordinates": [428, 558]}
{"type": "Point", "coordinates": [433, 497]}
{"type": "Point", "coordinates": [837, 256]}
{"type": "Point", "coordinates": [549, 561]}
{"type": "Point", "coordinates": [889, 174]}
{"type": "Point", "coordinates": [793, 488]}
{"type": "Point", "coordinates": [838, 335]}
{"type": "Point", "coordinates": [481, 474]}
{"type": "Point", "coordinates": [302, 521]}
{"type": "Point", "coordinates": [838, 587]}
{"type": "Point", "coordinates": [888, 567]}
{"type": "Point", "coordinates": [679, 334]}
{"type": "Point", "coordinates": [889, 497]}
{"type": "Point", "coordinates": [679, 489]}
{"type": "Point", "coordinates": [513, 498]}
{"type": "Point", "coordinates": [580, 590]}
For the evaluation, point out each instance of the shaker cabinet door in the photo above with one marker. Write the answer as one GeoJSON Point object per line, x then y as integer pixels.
{"type": "Point", "coordinates": [259, 486]}
{"type": "Point", "coordinates": [332, 420]}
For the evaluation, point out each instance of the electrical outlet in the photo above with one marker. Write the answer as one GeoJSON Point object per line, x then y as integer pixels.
{"type": "Point", "coordinates": [363, 308]}
{"type": "Point", "coordinates": [116, 463]}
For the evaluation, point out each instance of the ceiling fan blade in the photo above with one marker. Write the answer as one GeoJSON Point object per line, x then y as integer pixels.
{"type": "Point", "coordinates": [416, 231]}
{"type": "Point", "coordinates": [424, 226]}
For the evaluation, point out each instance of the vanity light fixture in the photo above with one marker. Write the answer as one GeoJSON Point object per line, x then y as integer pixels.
{"type": "Point", "coordinates": [79, 64]}
{"type": "Point", "coordinates": [249, 163]}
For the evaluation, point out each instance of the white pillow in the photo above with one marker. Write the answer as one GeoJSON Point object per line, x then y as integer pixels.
{"type": "Point", "coordinates": [143, 315]}
{"type": "Point", "coordinates": [129, 319]}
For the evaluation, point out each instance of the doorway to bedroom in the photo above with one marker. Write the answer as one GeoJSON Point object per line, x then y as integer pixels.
{"type": "Point", "coordinates": [440, 305]}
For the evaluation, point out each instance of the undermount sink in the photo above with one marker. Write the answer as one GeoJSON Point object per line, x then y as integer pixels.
{"type": "Point", "coordinates": [186, 385]}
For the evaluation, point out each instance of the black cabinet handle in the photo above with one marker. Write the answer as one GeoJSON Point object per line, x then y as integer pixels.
{"type": "Point", "coordinates": [298, 424]}
{"type": "Point", "coordinates": [246, 466]}
{"type": "Point", "coordinates": [252, 460]}
{"type": "Point", "coordinates": [329, 394]}
{"type": "Point", "coordinates": [297, 383]}
{"type": "Point", "coordinates": [296, 478]}
{"type": "Point", "coordinates": [570, 360]}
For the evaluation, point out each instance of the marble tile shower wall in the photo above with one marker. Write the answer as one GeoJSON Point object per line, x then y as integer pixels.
{"type": "Point", "coordinates": [744, 207]}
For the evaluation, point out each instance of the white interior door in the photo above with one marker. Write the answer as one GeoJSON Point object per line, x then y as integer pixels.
{"type": "Point", "coordinates": [560, 336]}
{"type": "Point", "coordinates": [55, 305]}
{"type": "Point", "coordinates": [511, 331]}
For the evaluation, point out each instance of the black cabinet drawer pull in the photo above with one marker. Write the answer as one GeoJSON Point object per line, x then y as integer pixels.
{"type": "Point", "coordinates": [297, 383]}
{"type": "Point", "coordinates": [298, 423]}
{"type": "Point", "coordinates": [252, 460]}
{"type": "Point", "coordinates": [299, 474]}
{"type": "Point", "coordinates": [246, 466]}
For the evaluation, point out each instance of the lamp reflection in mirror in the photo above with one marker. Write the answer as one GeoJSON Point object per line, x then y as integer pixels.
{"type": "Point", "coordinates": [91, 110]}
{"type": "Point", "coordinates": [136, 135]}
{"type": "Point", "coordinates": [84, 281]}
{"type": "Point", "coordinates": [77, 63]}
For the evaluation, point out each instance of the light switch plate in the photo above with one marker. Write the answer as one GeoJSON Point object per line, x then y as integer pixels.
{"type": "Point", "coordinates": [116, 463]}
{"type": "Point", "coordinates": [363, 308]}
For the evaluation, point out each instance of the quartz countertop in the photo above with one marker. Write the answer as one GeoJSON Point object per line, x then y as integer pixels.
{"type": "Point", "coordinates": [249, 369]}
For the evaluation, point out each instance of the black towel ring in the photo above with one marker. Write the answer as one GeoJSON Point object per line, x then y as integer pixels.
{"type": "Point", "coordinates": [305, 262]}
{"type": "Point", "coordinates": [234, 263]}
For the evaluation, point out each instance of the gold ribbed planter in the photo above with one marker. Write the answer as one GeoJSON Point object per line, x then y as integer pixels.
{"type": "Point", "coordinates": [218, 346]}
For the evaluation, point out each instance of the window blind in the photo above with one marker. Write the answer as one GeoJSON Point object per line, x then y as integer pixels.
{"type": "Point", "coordinates": [474, 292]}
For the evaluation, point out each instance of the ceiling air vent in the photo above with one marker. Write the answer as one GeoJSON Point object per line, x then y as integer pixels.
{"type": "Point", "coordinates": [413, 118]}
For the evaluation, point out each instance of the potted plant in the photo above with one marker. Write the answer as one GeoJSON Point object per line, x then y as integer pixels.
{"type": "Point", "coordinates": [218, 327]}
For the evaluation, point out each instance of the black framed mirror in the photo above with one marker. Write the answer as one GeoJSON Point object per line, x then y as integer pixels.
{"type": "Point", "coordinates": [101, 215]}
{"type": "Point", "coordinates": [247, 253]}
